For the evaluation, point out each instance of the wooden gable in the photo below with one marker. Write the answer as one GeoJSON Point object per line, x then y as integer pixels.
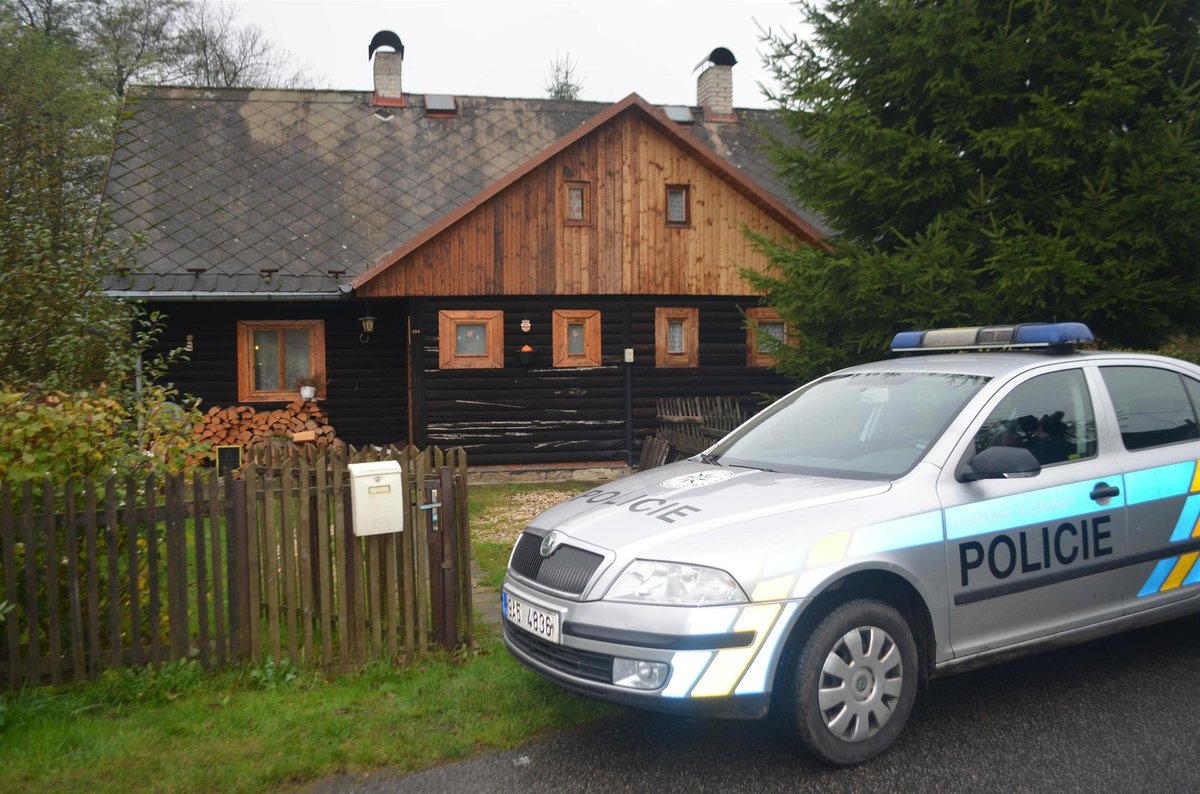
{"type": "Point", "coordinates": [517, 239]}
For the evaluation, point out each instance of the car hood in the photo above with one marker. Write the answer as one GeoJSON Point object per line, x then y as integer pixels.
{"type": "Point", "coordinates": [680, 504]}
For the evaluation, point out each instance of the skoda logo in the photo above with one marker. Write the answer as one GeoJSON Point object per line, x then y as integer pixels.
{"type": "Point", "coordinates": [551, 542]}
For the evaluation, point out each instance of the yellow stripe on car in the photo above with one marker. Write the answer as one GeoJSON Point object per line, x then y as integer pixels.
{"type": "Point", "coordinates": [723, 673]}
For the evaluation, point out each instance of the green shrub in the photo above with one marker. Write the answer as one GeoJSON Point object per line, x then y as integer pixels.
{"type": "Point", "coordinates": [92, 434]}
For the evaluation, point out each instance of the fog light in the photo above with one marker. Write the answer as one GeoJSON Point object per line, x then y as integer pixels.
{"type": "Point", "coordinates": [640, 674]}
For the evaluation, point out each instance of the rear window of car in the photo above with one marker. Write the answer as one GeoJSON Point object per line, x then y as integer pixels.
{"type": "Point", "coordinates": [1153, 405]}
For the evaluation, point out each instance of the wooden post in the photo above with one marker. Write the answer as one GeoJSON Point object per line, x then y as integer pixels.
{"type": "Point", "coordinates": [135, 596]}
{"type": "Point", "coordinates": [218, 591]}
{"type": "Point", "coordinates": [198, 531]}
{"type": "Point", "coordinates": [74, 600]}
{"type": "Point", "coordinates": [242, 602]}
{"type": "Point", "coordinates": [151, 496]}
{"type": "Point", "coordinates": [449, 559]}
{"type": "Point", "coordinates": [114, 562]}
{"type": "Point", "coordinates": [8, 529]}
{"type": "Point", "coordinates": [54, 624]}
{"type": "Point", "coordinates": [93, 578]}
{"type": "Point", "coordinates": [31, 596]}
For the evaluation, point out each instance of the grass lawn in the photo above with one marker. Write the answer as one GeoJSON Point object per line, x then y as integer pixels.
{"type": "Point", "coordinates": [257, 728]}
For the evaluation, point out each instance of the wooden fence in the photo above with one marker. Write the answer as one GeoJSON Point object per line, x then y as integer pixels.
{"type": "Point", "coordinates": [150, 570]}
{"type": "Point", "coordinates": [692, 424]}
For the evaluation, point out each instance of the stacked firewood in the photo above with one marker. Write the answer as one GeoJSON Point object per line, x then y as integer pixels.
{"type": "Point", "coordinates": [300, 421]}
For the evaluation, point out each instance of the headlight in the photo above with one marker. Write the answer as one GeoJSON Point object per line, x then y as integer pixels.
{"type": "Point", "coordinates": [650, 581]}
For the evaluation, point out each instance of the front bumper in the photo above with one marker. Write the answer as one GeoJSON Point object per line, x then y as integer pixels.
{"type": "Point", "coordinates": [722, 659]}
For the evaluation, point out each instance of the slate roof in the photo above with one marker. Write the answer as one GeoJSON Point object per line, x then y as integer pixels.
{"type": "Point", "coordinates": [273, 192]}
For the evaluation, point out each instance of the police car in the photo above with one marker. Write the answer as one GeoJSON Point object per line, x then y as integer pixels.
{"type": "Point", "coordinates": [875, 528]}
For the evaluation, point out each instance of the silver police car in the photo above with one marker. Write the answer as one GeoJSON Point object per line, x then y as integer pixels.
{"type": "Point", "coordinates": [880, 526]}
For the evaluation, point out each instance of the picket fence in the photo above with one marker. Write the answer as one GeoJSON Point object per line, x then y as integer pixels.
{"type": "Point", "coordinates": [261, 564]}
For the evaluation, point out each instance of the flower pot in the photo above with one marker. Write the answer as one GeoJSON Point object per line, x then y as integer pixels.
{"type": "Point", "coordinates": [308, 392]}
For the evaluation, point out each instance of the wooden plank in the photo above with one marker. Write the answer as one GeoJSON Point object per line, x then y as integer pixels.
{"type": "Point", "coordinates": [447, 563]}
{"type": "Point", "coordinates": [33, 618]}
{"type": "Point", "coordinates": [287, 540]}
{"type": "Point", "coordinates": [152, 564]}
{"type": "Point", "coordinates": [53, 607]}
{"type": "Point", "coordinates": [324, 559]}
{"type": "Point", "coordinates": [74, 599]}
{"type": "Point", "coordinates": [421, 566]}
{"type": "Point", "coordinates": [132, 520]}
{"type": "Point", "coordinates": [305, 535]}
{"type": "Point", "coordinates": [114, 578]}
{"type": "Point", "coordinates": [408, 557]}
{"type": "Point", "coordinates": [343, 542]}
{"type": "Point", "coordinates": [176, 568]}
{"type": "Point", "coordinates": [373, 547]}
{"type": "Point", "coordinates": [93, 578]}
{"type": "Point", "coordinates": [357, 584]}
{"type": "Point", "coordinates": [199, 540]}
{"type": "Point", "coordinates": [12, 630]}
{"type": "Point", "coordinates": [270, 564]}
{"type": "Point", "coordinates": [462, 519]}
{"type": "Point", "coordinates": [252, 608]}
{"type": "Point", "coordinates": [218, 590]}
{"type": "Point", "coordinates": [391, 572]}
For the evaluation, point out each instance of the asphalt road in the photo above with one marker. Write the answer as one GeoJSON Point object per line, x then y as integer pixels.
{"type": "Point", "coordinates": [1121, 714]}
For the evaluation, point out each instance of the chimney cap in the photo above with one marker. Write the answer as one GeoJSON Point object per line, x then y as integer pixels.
{"type": "Point", "coordinates": [718, 57]}
{"type": "Point", "coordinates": [385, 38]}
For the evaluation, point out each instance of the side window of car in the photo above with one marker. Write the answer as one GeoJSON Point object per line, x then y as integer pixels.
{"type": "Point", "coordinates": [1050, 415]}
{"type": "Point", "coordinates": [1152, 405]}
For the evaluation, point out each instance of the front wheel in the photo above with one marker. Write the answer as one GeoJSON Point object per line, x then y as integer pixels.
{"type": "Point", "coordinates": [853, 684]}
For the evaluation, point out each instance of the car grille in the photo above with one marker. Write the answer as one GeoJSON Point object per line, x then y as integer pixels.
{"type": "Point", "coordinates": [567, 570]}
{"type": "Point", "coordinates": [581, 664]}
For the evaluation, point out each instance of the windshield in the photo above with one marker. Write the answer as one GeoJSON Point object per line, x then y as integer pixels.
{"type": "Point", "coordinates": [872, 425]}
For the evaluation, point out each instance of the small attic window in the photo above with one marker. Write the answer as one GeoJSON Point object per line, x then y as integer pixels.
{"type": "Point", "coordinates": [383, 114]}
{"type": "Point", "coordinates": [680, 114]}
{"type": "Point", "coordinates": [440, 105]}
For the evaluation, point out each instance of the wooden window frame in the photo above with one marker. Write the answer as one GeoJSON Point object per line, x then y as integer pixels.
{"type": "Point", "coordinates": [687, 206]}
{"type": "Point", "coordinates": [586, 187]}
{"type": "Point", "coordinates": [448, 322]}
{"type": "Point", "coordinates": [663, 316]}
{"type": "Point", "coordinates": [561, 320]}
{"type": "Point", "coordinates": [754, 316]}
{"type": "Point", "coordinates": [245, 357]}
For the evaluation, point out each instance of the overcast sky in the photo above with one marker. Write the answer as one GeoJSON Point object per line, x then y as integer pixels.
{"type": "Point", "coordinates": [505, 47]}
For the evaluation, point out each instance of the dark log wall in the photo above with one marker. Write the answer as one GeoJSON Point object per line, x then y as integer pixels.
{"type": "Point", "coordinates": [367, 390]}
{"type": "Point", "coordinates": [543, 414]}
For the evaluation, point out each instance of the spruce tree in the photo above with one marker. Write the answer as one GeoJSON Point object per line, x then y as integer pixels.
{"type": "Point", "coordinates": [988, 161]}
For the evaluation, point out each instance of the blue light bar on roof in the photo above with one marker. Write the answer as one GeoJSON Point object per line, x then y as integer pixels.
{"type": "Point", "coordinates": [993, 336]}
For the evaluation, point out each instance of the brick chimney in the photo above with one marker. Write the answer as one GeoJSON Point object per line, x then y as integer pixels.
{"type": "Point", "coordinates": [714, 86]}
{"type": "Point", "coordinates": [389, 91]}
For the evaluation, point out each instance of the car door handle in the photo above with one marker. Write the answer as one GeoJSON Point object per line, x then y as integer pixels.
{"type": "Point", "coordinates": [1104, 491]}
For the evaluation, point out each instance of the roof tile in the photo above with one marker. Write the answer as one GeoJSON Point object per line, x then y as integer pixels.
{"type": "Point", "coordinates": [304, 182]}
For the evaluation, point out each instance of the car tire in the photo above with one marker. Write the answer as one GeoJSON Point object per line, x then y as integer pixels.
{"type": "Point", "coordinates": [852, 683]}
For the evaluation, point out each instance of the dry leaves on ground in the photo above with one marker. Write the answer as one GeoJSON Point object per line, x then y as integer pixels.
{"type": "Point", "coordinates": [504, 521]}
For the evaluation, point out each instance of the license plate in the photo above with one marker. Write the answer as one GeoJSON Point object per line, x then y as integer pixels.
{"type": "Point", "coordinates": [537, 621]}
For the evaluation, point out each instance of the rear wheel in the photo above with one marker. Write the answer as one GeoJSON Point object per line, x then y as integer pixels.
{"type": "Point", "coordinates": [853, 683]}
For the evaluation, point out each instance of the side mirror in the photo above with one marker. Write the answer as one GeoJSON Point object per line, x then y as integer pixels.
{"type": "Point", "coordinates": [999, 463]}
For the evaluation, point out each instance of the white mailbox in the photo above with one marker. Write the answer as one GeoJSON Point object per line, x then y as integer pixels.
{"type": "Point", "coordinates": [378, 497]}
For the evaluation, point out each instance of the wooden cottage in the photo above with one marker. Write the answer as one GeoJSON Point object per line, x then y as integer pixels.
{"type": "Point", "coordinates": [523, 278]}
